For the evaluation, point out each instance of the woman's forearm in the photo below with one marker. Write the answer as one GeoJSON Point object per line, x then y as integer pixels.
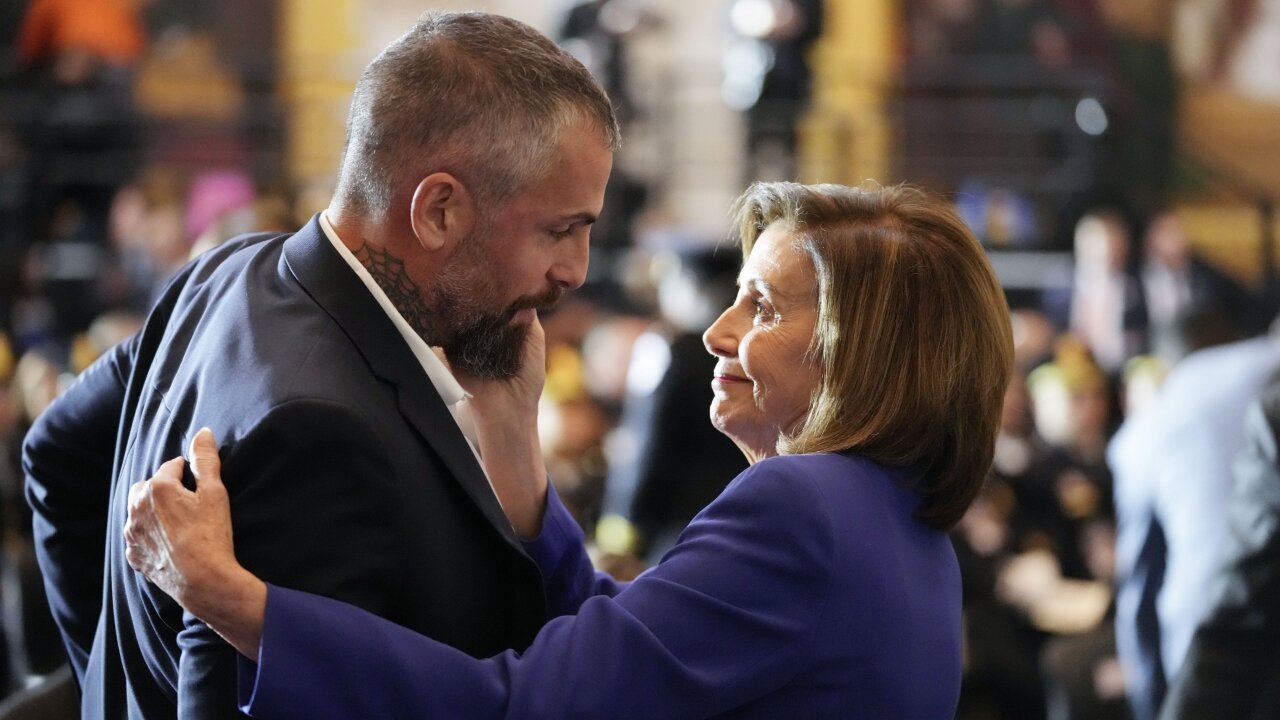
{"type": "Point", "coordinates": [512, 459]}
{"type": "Point", "coordinates": [233, 602]}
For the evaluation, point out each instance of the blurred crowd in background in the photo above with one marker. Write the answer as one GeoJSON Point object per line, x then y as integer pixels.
{"type": "Point", "coordinates": [135, 134]}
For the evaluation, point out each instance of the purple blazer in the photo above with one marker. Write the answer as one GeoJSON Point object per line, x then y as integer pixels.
{"type": "Point", "coordinates": [807, 589]}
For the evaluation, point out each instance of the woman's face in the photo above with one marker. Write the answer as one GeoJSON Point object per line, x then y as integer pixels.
{"type": "Point", "coordinates": [764, 379]}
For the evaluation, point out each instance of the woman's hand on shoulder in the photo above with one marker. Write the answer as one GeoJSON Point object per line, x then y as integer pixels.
{"type": "Point", "coordinates": [175, 536]}
{"type": "Point", "coordinates": [181, 541]}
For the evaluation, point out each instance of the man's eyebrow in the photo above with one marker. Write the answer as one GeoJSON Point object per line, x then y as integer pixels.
{"type": "Point", "coordinates": [582, 218]}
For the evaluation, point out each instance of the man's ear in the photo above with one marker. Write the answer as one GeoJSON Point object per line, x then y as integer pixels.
{"type": "Point", "coordinates": [442, 212]}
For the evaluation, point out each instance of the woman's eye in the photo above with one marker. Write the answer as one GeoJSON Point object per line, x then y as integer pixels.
{"type": "Point", "coordinates": [761, 311]}
{"type": "Point", "coordinates": [560, 233]}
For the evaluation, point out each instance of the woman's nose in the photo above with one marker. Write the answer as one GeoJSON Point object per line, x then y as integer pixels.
{"type": "Point", "coordinates": [721, 339]}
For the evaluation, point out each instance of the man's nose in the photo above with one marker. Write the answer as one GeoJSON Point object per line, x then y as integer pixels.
{"type": "Point", "coordinates": [570, 268]}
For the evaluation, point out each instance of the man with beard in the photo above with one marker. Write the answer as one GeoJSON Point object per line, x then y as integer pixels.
{"type": "Point", "coordinates": [476, 160]}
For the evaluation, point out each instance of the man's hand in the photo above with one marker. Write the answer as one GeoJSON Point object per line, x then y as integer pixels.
{"type": "Point", "coordinates": [181, 541]}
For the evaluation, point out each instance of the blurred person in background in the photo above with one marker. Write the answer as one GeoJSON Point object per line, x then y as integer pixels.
{"type": "Point", "coordinates": [1063, 577]}
{"type": "Point", "coordinates": [78, 143]}
{"type": "Point", "coordinates": [1107, 311]}
{"type": "Point", "coordinates": [1141, 105]}
{"type": "Point", "coordinates": [1232, 669]}
{"type": "Point", "coordinates": [669, 461]}
{"type": "Point", "coordinates": [41, 680]}
{"type": "Point", "coordinates": [1070, 491]}
{"type": "Point", "coordinates": [1181, 290]}
{"type": "Point", "coordinates": [1036, 550]}
{"type": "Point", "coordinates": [819, 584]}
{"type": "Point", "coordinates": [778, 82]}
{"type": "Point", "coordinates": [1172, 465]}
{"type": "Point", "coordinates": [596, 32]}
{"type": "Point", "coordinates": [1002, 673]}
{"type": "Point", "coordinates": [34, 647]}
{"type": "Point", "coordinates": [82, 142]}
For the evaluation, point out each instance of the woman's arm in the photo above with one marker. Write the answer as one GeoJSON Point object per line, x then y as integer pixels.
{"type": "Point", "coordinates": [568, 577]}
{"type": "Point", "coordinates": [210, 583]}
{"type": "Point", "coordinates": [504, 412]}
{"type": "Point", "coordinates": [182, 541]}
{"type": "Point", "coordinates": [727, 617]}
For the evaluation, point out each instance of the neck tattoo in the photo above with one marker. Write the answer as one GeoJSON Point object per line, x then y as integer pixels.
{"type": "Point", "coordinates": [405, 294]}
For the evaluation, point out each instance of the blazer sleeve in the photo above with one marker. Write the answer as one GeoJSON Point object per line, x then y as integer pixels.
{"type": "Point", "coordinates": [67, 458]}
{"type": "Point", "coordinates": [568, 578]}
{"type": "Point", "coordinates": [725, 618]}
{"type": "Point", "coordinates": [314, 506]}
{"type": "Point", "coordinates": [1233, 654]}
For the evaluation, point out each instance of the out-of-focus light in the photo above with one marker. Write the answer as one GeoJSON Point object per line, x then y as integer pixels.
{"type": "Point", "coordinates": [619, 17]}
{"type": "Point", "coordinates": [753, 18]}
{"type": "Point", "coordinates": [581, 51]}
{"type": "Point", "coordinates": [745, 63]}
{"type": "Point", "coordinates": [1091, 117]}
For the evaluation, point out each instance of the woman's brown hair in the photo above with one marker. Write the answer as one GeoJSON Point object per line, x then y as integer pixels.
{"type": "Point", "coordinates": [912, 335]}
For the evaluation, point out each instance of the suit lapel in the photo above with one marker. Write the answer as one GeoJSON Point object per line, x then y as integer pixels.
{"type": "Point", "coordinates": [339, 292]}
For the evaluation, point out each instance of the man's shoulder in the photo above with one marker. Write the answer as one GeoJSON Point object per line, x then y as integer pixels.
{"type": "Point", "coordinates": [229, 257]}
{"type": "Point", "coordinates": [240, 323]}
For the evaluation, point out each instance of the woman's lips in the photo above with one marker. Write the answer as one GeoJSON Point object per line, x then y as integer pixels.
{"type": "Point", "coordinates": [728, 379]}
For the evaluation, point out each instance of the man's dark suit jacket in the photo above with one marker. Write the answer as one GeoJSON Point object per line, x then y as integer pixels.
{"type": "Point", "coordinates": [348, 477]}
{"type": "Point", "coordinates": [1233, 667]}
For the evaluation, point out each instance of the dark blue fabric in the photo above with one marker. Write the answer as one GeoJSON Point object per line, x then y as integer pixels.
{"type": "Point", "coordinates": [806, 590]}
{"type": "Point", "coordinates": [348, 476]}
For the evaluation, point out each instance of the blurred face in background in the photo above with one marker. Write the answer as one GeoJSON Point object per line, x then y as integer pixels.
{"type": "Point", "coordinates": [1101, 244]}
{"type": "Point", "coordinates": [1166, 243]}
{"type": "Point", "coordinates": [765, 376]}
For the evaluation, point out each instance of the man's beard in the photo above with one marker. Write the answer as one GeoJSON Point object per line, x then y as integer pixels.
{"type": "Point", "coordinates": [490, 345]}
{"type": "Point", "coordinates": [484, 344]}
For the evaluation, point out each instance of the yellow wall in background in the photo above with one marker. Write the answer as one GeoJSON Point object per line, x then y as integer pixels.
{"type": "Point", "coordinates": [847, 136]}
{"type": "Point", "coordinates": [319, 41]}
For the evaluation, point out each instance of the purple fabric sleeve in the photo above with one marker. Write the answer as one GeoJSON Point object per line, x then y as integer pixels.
{"type": "Point", "coordinates": [567, 574]}
{"type": "Point", "coordinates": [728, 616]}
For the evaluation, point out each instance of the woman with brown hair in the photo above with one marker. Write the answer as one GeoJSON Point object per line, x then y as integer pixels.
{"type": "Point", "coordinates": [860, 369]}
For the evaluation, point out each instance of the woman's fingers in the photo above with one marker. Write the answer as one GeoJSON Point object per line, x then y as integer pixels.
{"type": "Point", "coordinates": [139, 514]}
{"type": "Point", "coordinates": [143, 530]}
{"type": "Point", "coordinates": [205, 463]}
{"type": "Point", "coordinates": [179, 538]}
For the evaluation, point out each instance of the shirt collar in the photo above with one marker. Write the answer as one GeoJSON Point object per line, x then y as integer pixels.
{"type": "Point", "coordinates": [450, 391]}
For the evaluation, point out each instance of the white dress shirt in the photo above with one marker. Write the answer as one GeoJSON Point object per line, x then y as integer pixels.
{"type": "Point", "coordinates": [453, 394]}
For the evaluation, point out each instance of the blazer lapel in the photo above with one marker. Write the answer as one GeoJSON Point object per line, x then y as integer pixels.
{"type": "Point", "coordinates": [330, 282]}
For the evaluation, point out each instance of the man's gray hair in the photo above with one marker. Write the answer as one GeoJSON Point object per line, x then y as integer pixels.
{"type": "Point", "coordinates": [480, 96]}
